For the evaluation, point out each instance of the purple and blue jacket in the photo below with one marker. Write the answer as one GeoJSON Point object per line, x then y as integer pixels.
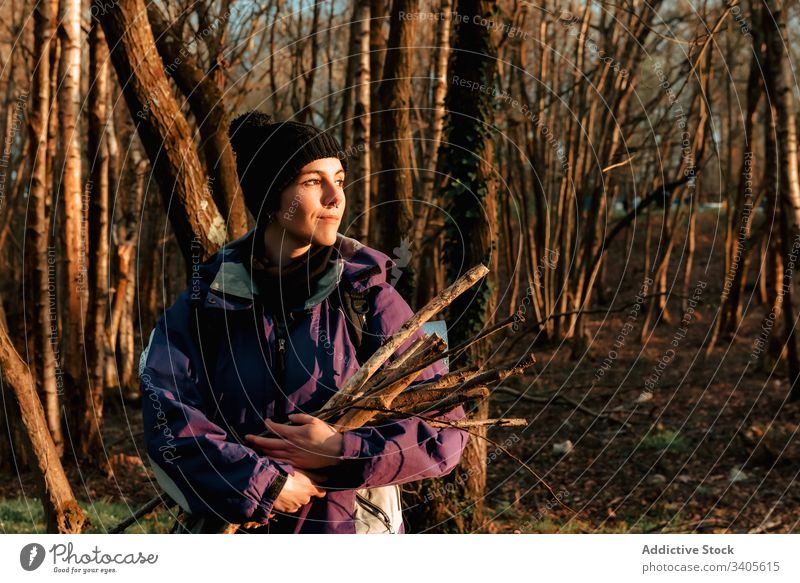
{"type": "Point", "coordinates": [193, 427]}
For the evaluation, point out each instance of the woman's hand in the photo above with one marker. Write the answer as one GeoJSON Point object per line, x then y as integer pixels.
{"type": "Point", "coordinates": [296, 492]}
{"type": "Point", "coordinates": [308, 444]}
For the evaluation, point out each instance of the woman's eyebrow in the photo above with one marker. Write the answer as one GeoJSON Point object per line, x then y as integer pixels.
{"type": "Point", "coordinates": [320, 172]}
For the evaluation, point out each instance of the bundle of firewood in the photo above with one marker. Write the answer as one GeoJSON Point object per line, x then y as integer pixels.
{"type": "Point", "coordinates": [389, 395]}
{"type": "Point", "coordinates": [374, 394]}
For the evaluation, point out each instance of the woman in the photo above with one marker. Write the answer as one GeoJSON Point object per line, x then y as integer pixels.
{"type": "Point", "coordinates": [260, 339]}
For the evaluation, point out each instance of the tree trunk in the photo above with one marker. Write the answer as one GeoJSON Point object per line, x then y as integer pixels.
{"type": "Point", "coordinates": [779, 82]}
{"type": "Point", "coordinates": [425, 267]}
{"type": "Point", "coordinates": [353, 52]}
{"type": "Point", "coordinates": [198, 225]}
{"type": "Point", "coordinates": [207, 103]}
{"type": "Point", "coordinates": [789, 250]}
{"type": "Point", "coordinates": [377, 55]}
{"type": "Point", "coordinates": [394, 214]}
{"type": "Point", "coordinates": [467, 153]}
{"type": "Point", "coordinates": [41, 261]}
{"type": "Point", "coordinates": [360, 168]}
{"type": "Point", "coordinates": [91, 436]}
{"type": "Point", "coordinates": [127, 346]}
{"type": "Point", "coordinates": [739, 228]}
{"type": "Point", "coordinates": [62, 513]}
{"type": "Point", "coordinates": [73, 248]}
{"type": "Point", "coordinates": [774, 268]}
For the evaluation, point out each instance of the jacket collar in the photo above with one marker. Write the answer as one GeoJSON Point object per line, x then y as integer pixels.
{"type": "Point", "coordinates": [229, 277]}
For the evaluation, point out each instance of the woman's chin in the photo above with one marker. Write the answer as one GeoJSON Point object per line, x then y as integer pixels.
{"type": "Point", "coordinates": [326, 235]}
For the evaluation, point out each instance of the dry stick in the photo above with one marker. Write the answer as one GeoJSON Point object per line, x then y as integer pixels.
{"type": "Point", "coordinates": [512, 319]}
{"type": "Point", "coordinates": [431, 352]}
{"type": "Point", "coordinates": [355, 418]}
{"type": "Point", "coordinates": [454, 353]}
{"type": "Point", "coordinates": [500, 374]}
{"type": "Point", "coordinates": [441, 301]}
{"type": "Point", "coordinates": [379, 380]}
{"type": "Point", "coordinates": [390, 413]}
{"type": "Point", "coordinates": [446, 381]}
{"type": "Point", "coordinates": [230, 528]}
{"type": "Point", "coordinates": [146, 509]}
{"type": "Point", "coordinates": [410, 399]}
{"type": "Point", "coordinates": [403, 358]}
{"type": "Point", "coordinates": [464, 424]}
{"type": "Point", "coordinates": [452, 401]}
{"type": "Point", "coordinates": [435, 345]}
{"type": "Point", "coordinates": [384, 396]}
{"type": "Point", "coordinates": [578, 406]}
{"type": "Point", "coordinates": [458, 350]}
{"type": "Point", "coordinates": [449, 380]}
{"type": "Point", "coordinates": [434, 349]}
{"type": "Point", "coordinates": [426, 401]}
{"type": "Point", "coordinates": [493, 375]}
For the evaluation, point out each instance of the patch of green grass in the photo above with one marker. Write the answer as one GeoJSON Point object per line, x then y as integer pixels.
{"type": "Point", "coordinates": [22, 516]}
{"type": "Point", "coordinates": [508, 517]}
{"type": "Point", "coordinates": [574, 526]}
{"type": "Point", "coordinates": [660, 520]}
{"type": "Point", "coordinates": [665, 440]}
{"type": "Point", "coordinates": [548, 526]}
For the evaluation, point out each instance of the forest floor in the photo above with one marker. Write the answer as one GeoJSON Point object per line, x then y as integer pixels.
{"type": "Point", "coordinates": [712, 447]}
{"type": "Point", "coordinates": [710, 443]}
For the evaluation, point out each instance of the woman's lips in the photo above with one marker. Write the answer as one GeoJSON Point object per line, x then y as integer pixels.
{"type": "Point", "coordinates": [330, 219]}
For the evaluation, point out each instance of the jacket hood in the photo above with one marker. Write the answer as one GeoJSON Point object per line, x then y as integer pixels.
{"type": "Point", "coordinates": [227, 273]}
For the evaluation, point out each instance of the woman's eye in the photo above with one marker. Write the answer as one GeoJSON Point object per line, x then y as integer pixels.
{"type": "Point", "coordinates": [340, 182]}
{"type": "Point", "coordinates": [312, 182]}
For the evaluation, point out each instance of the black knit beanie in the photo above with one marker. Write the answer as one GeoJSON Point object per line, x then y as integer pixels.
{"type": "Point", "coordinates": [269, 157]}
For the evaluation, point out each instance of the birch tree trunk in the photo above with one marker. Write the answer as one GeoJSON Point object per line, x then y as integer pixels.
{"type": "Point", "coordinates": [360, 167]}
{"type": "Point", "coordinates": [92, 423]}
{"type": "Point", "coordinates": [377, 55]}
{"type": "Point", "coordinates": [786, 181]}
{"type": "Point", "coordinates": [40, 264]}
{"type": "Point", "coordinates": [73, 248]}
{"type": "Point", "coordinates": [779, 81]}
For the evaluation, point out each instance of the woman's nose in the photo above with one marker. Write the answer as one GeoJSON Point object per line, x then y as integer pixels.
{"type": "Point", "coordinates": [333, 195]}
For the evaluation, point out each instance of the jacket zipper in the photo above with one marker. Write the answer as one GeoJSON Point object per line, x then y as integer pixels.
{"type": "Point", "coordinates": [375, 510]}
{"type": "Point", "coordinates": [280, 371]}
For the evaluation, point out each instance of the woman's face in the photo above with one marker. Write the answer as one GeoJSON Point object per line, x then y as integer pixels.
{"type": "Point", "coordinates": [312, 206]}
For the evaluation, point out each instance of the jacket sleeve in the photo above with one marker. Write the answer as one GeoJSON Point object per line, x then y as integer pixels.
{"type": "Point", "coordinates": [192, 457]}
{"type": "Point", "coordinates": [402, 450]}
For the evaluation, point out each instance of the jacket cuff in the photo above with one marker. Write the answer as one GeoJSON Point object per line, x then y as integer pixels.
{"type": "Point", "coordinates": [352, 445]}
{"type": "Point", "coordinates": [274, 490]}
{"type": "Point", "coordinates": [264, 507]}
